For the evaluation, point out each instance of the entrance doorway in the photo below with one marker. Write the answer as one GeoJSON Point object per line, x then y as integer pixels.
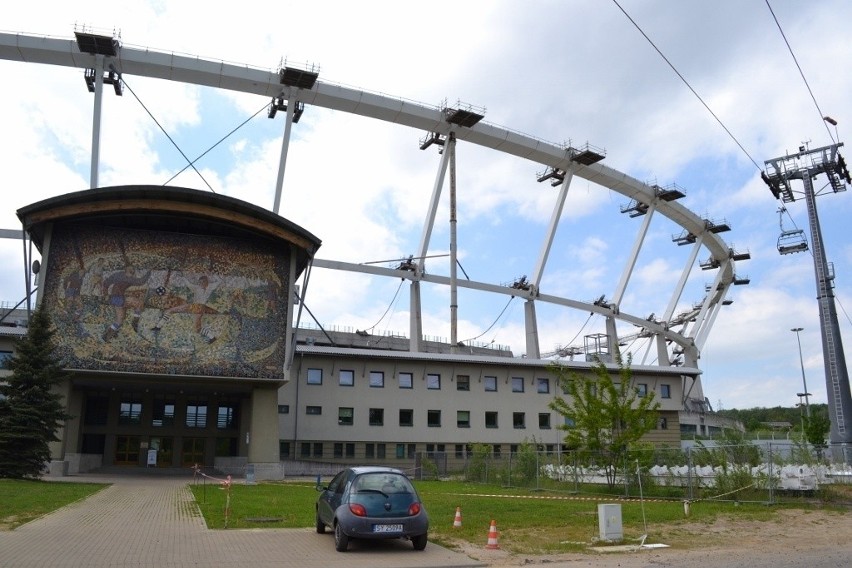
{"type": "Point", "coordinates": [193, 451]}
{"type": "Point", "coordinates": [165, 450]}
{"type": "Point", "coordinates": [126, 450]}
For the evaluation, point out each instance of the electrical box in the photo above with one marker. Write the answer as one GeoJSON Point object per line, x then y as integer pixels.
{"type": "Point", "coordinates": [609, 522]}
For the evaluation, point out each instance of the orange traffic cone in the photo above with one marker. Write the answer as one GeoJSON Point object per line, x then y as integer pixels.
{"type": "Point", "coordinates": [492, 536]}
{"type": "Point", "coordinates": [457, 520]}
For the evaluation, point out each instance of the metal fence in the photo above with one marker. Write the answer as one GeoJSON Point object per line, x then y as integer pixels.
{"type": "Point", "coordinates": [771, 472]}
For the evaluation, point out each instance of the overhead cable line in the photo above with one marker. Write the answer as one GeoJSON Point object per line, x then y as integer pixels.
{"type": "Point", "coordinates": [390, 305]}
{"type": "Point", "coordinates": [226, 136]}
{"type": "Point", "coordinates": [503, 311]}
{"type": "Point", "coordinates": [164, 132]}
{"type": "Point", "coordinates": [823, 118]}
{"type": "Point", "coordinates": [685, 82]}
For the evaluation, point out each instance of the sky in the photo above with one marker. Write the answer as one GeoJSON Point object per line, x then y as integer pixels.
{"type": "Point", "coordinates": [566, 71]}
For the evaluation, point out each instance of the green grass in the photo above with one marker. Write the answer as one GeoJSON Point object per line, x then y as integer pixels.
{"type": "Point", "coordinates": [528, 521]}
{"type": "Point", "coordinates": [22, 501]}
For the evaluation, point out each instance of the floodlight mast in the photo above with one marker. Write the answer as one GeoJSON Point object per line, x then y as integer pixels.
{"type": "Point", "coordinates": [806, 164]}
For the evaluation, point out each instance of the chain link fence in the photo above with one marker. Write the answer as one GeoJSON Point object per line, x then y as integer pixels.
{"type": "Point", "coordinates": [771, 472]}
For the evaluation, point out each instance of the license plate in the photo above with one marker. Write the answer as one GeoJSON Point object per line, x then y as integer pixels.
{"type": "Point", "coordinates": [387, 528]}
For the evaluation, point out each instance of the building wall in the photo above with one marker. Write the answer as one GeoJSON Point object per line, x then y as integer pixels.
{"type": "Point", "coordinates": [314, 397]}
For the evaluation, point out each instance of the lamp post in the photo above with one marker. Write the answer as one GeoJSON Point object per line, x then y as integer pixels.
{"type": "Point", "coordinates": [804, 394]}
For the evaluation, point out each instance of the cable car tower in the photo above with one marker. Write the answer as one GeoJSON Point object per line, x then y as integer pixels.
{"type": "Point", "coordinates": [806, 165]}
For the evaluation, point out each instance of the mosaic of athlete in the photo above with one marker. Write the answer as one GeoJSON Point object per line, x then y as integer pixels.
{"type": "Point", "coordinates": [115, 287]}
{"type": "Point", "coordinates": [197, 304]}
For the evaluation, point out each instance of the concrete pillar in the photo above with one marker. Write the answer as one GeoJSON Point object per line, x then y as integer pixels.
{"type": "Point", "coordinates": [262, 436]}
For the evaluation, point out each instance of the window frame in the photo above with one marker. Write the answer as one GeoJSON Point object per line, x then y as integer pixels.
{"type": "Point", "coordinates": [313, 376]}
{"type": "Point", "coordinates": [486, 383]}
{"type": "Point", "coordinates": [377, 379]}
{"type": "Point", "coordinates": [376, 416]}
{"type": "Point", "coordinates": [430, 415]}
{"type": "Point", "coordinates": [518, 384]}
{"type": "Point", "coordinates": [462, 382]}
{"type": "Point", "coordinates": [349, 381]}
{"type": "Point", "coordinates": [342, 418]}
{"type": "Point", "coordinates": [462, 422]}
{"type": "Point", "coordinates": [433, 379]}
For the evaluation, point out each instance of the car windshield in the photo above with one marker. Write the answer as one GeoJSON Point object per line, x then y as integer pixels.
{"type": "Point", "coordinates": [386, 483]}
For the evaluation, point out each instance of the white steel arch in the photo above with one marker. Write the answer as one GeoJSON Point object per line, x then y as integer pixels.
{"type": "Point", "coordinates": [438, 122]}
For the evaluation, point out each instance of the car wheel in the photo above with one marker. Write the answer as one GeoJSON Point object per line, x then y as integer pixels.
{"type": "Point", "coordinates": [320, 525]}
{"type": "Point", "coordinates": [419, 541]}
{"type": "Point", "coordinates": [341, 541]}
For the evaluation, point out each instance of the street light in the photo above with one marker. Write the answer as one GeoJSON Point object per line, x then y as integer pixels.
{"type": "Point", "coordinates": [804, 394]}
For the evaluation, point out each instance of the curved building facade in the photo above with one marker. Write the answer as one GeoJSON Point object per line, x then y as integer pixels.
{"type": "Point", "coordinates": [173, 311]}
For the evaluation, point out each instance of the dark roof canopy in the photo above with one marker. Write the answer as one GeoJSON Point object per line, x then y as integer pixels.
{"type": "Point", "coordinates": [176, 209]}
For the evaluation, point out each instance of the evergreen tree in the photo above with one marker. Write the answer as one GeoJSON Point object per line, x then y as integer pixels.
{"type": "Point", "coordinates": [607, 417]}
{"type": "Point", "coordinates": [31, 410]}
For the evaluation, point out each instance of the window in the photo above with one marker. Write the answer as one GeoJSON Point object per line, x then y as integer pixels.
{"type": "Point", "coordinates": [314, 376]}
{"type": "Point", "coordinates": [400, 451]}
{"type": "Point", "coordinates": [283, 449]}
{"type": "Point", "coordinates": [313, 410]}
{"type": "Point", "coordinates": [497, 450]}
{"type": "Point", "coordinates": [196, 414]}
{"type": "Point", "coordinates": [377, 417]}
{"type": "Point", "coordinates": [463, 418]}
{"type": "Point", "coordinates": [4, 359]}
{"type": "Point", "coordinates": [642, 390]}
{"type": "Point", "coordinates": [663, 423]}
{"type": "Point", "coordinates": [380, 451]}
{"type": "Point", "coordinates": [517, 384]}
{"type": "Point", "coordinates": [519, 420]}
{"type": "Point", "coordinates": [346, 378]}
{"type": "Point", "coordinates": [463, 382]}
{"type": "Point", "coordinates": [370, 450]}
{"type": "Point", "coordinates": [317, 449]}
{"type": "Point", "coordinates": [665, 391]}
{"type": "Point", "coordinates": [377, 379]}
{"type": "Point", "coordinates": [283, 409]}
{"type": "Point", "coordinates": [406, 380]}
{"type": "Point", "coordinates": [433, 418]}
{"type": "Point", "coordinates": [412, 450]}
{"type": "Point", "coordinates": [490, 384]}
{"type": "Point", "coordinates": [433, 381]}
{"type": "Point", "coordinates": [305, 450]}
{"type": "Point", "coordinates": [406, 417]}
{"type": "Point", "coordinates": [544, 421]}
{"type": "Point", "coordinates": [459, 451]}
{"type": "Point", "coordinates": [97, 410]}
{"type": "Point", "coordinates": [226, 416]}
{"type": "Point", "coordinates": [350, 450]}
{"type": "Point", "coordinates": [345, 416]}
{"type": "Point", "coordinates": [338, 449]}
{"type": "Point", "coordinates": [491, 419]}
{"type": "Point", "coordinates": [130, 409]}
{"type": "Point", "coordinates": [163, 413]}
{"type": "Point", "coordinates": [569, 422]}
{"type": "Point", "coordinates": [542, 386]}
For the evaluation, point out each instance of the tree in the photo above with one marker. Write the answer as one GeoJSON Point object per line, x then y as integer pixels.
{"type": "Point", "coordinates": [31, 410]}
{"type": "Point", "coordinates": [817, 426]}
{"type": "Point", "coordinates": [606, 417]}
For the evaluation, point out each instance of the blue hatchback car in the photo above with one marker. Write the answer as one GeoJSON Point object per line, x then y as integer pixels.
{"type": "Point", "coordinates": [371, 503]}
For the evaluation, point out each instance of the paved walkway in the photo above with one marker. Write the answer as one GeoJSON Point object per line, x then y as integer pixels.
{"type": "Point", "coordinates": [152, 521]}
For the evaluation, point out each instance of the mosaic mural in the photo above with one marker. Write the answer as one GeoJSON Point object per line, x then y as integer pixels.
{"type": "Point", "coordinates": [168, 303]}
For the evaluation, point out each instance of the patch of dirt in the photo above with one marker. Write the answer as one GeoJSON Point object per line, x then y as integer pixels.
{"type": "Point", "coordinates": [790, 530]}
